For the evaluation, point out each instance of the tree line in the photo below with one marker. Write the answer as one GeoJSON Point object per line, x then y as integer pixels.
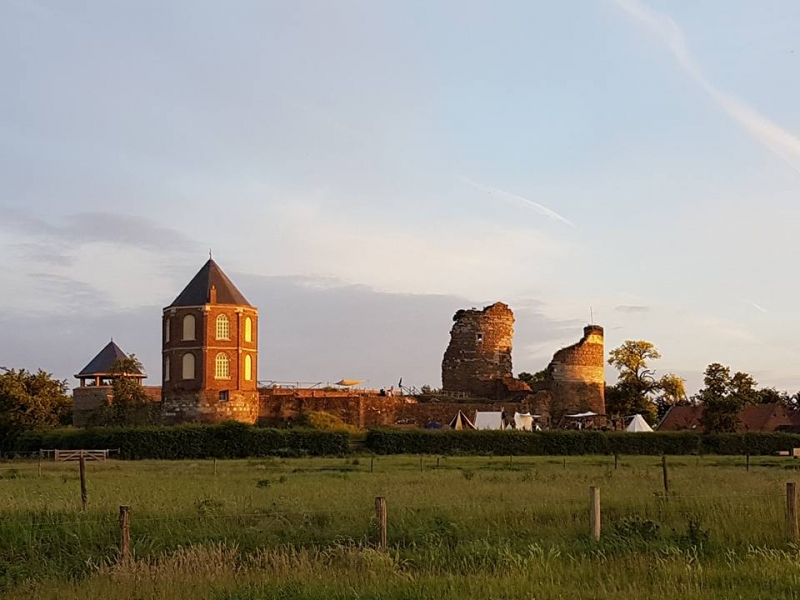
{"type": "Point", "coordinates": [723, 395]}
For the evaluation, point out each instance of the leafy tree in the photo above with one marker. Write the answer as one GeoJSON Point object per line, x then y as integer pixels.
{"type": "Point", "coordinates": [724, 396]}
{"type": "Point", "coordinates": [31, 401]}
{"type": "Point", "coordinates": [637, 390]}
{"type": "Point", "coordinates": [537, 377]}
{"type": "Point", "coordinates": [129, 404]}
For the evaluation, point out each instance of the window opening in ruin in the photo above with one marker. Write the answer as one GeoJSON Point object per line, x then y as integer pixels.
{"type": "Point", "coordinates": [479, 337]}
{"type": "Point", "coordinates": [222, 366]}
{"type": "Point", "coordinates": [166, 369]}
{"type": "Point", "coordinates": [224, 396]}
{"type": "Point", "coordinates": [223, 327]}
{"type": "Point", "coordinates": [166, 329]}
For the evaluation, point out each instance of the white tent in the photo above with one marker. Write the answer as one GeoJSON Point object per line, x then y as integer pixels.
{"type": "Point", "coordinates": [638, 425]}
{"type": "Point", "coordinates": [461, 422]}
{"type": "Point", "coordinates": [524, 421]}
{"type": "Point", "coordinates": [488, 420]}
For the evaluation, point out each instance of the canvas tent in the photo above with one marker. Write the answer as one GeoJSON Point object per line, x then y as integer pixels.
{"type": "Point", "coordinates": [488, 420]}
{"type": "Point", "coordinates": [461, 422]}
{"type": "Point", "coordinates": [525, 421]}
{"type": "Point", "coordinates": [638, 425]}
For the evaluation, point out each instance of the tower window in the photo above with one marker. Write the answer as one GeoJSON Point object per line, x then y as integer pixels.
{"type": "Point", "coordinates": [188, 327]}
{"type": "Point", "coordinates": [166, 368]}
{"type": "Point", "coordinates": [167, 323]}
{"type": "Point", "coordinates": [248, 329]}
{"type": "Point", "coordinates": [224, 396]}
{"type": "Point", "coordinates": [187, 366]}
{"type": "Point", "coordinates": [248, 368]}
{"type": "Point", "coordinates": [223, 327]}
{"type": "Point", "coordinates": [222, 366]}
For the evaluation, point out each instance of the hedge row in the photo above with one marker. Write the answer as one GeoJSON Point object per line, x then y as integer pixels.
{"type": "Point", "coordinates": [228, 440]}
{"type": "Point", "coordinates": [508, 443]}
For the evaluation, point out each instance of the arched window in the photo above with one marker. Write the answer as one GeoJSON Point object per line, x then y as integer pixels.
{"type": "Point", "coordinates": [188, 327]}
{"type": "Point", "coordinates": [188, 366]}
{"type": "Point", "coordinates": [166, 368]}
{"type": "Point", "coordinates": [248, 329]}
{"type": "Point", "coordinates": [222, 366]}
{"type": "Point", "coordinates": [167, 323]}
{"type": "Point", "coordinates": [223, 327]}
{"type": "Point", "coordinates": [248, 367]}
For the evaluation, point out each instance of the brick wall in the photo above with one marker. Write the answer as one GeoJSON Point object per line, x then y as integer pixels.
{"type": "Point", "coordinates": [479, 351]}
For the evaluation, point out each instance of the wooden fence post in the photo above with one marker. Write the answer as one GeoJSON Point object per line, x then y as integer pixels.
{"type": "Point", "coordinates": [594, 496]}
{"type": "Point", "coordinates": [664, 473]}
{"type": "Point", "coordinates": [748, 463]}
{"type": "Point", "coordinates": [39, 465]}
{"type": "Point", "coordinates": [791, 511]}
{"type": "Point", "coordinates": [82, 469]}
{"type": "Point", "coordinates": [380, 513]}
{"type": "Point", "coordinates": [437, 462]}
{"type": "Point", "coordinates": [215, 467]}
{"type": "Point", "coordinates": [125, 533]}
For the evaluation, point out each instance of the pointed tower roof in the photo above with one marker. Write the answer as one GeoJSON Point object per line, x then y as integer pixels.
{"type": "Point", "coordinates": [102, 364]}
{"type": "Point", "coordinates": [198, 292]}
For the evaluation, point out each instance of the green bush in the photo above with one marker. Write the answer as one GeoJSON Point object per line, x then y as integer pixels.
{"type": "Point", "coordinates": [508, 443]}
{"type": "Point", "coordinates": [228, 440]}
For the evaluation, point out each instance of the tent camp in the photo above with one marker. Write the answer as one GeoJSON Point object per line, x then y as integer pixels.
{"type": "Point", "coordinates": [638, 425]}
{"type": "Point", "coordinates": [461, 422]}
{"type": "Point", "coordinates": [488, 420]}
{"type": "Point", "coordinates": [525, 421]}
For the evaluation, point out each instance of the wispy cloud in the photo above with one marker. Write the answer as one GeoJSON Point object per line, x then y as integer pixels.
{"type": "Point", "coordinates": [758, 307]}
{"type": "Point", "coordinates": [631, 308]}
{"type": "Point", "coordinates": [504, 195]}
{"type": "Point", "coordinates": [781, 142]}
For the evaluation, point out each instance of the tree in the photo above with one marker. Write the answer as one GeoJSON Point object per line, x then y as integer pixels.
{"type": "Point", "coordinates": [31, 401]}
{"type": "Point", "coordinates": [724, 396]}
{"type": "Point", "coordinates": [129, 404]}
{"type": "Point", "coordinates": [671, 391]}
{"type": "Point", "coordinates": [537, 377]}
{"type": "Point", "coordinates": [636, 383]}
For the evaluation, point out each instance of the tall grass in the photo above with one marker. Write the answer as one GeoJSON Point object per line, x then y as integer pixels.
{"type": "Point", "coordinates": [472, 528]}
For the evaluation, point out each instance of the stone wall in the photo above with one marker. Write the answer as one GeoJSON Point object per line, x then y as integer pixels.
{"type": "Point", "coordinates": [208, 406]}
{"type": "Point", "coordinates": [479, 352]}
{"type": "Point", "coordinates": [87, 400]}
{"type": "Point", "coordinates": [577, 376]}
{"type": "Point", "coordinates": [366, 410]}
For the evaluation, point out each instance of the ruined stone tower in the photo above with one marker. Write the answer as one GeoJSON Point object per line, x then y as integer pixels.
{"type": "Point", "coordinates": [577, 378]}
{"type": "Point", "coordinates": [479, 353]}
{"type": "Point", "coordinates": [210, 352]}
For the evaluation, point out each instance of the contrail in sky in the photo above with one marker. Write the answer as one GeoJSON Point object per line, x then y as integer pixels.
{"type": "Point", "coordinates": [509, 196]}
{"type": "Point", "coordinates": [768, 133]}
{"type": "Point", "coordinates": [758, 307]}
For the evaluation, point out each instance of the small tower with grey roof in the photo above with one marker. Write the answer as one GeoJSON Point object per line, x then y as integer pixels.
{"type": "Point", "coordinates": [210, 352]}
{"type": "Point", "coordinates": [96, 380]}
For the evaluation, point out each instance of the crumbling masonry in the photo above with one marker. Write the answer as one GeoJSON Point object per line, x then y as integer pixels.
{"type": "Point", "coordinates": [477, 363]}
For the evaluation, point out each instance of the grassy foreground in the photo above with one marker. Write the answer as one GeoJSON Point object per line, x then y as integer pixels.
{"type": "Point", "coordinates": [475, 527]}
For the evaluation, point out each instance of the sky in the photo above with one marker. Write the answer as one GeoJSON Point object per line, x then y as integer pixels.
{"type": "Point", "coordinates": [364, 169]}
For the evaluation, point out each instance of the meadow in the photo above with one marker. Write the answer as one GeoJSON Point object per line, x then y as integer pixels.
{"type": "Point", "coordinates": [458, 527]}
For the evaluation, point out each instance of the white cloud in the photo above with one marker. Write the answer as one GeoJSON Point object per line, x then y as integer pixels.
{"type": "Point", "coordinates": [781, 142]}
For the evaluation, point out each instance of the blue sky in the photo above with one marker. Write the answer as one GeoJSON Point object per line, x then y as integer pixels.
{"type": "Point", "coordinates": [364, 169]}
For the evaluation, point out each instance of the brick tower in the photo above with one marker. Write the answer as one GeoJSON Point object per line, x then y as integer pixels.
{"type": "Point", "coordinates": [479, 353]}
{"type": "Point", "coordinates": [210, 352]}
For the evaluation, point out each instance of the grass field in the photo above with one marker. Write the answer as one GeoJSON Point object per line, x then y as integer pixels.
{"type": "Point", "coordinates": [475, 527]}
